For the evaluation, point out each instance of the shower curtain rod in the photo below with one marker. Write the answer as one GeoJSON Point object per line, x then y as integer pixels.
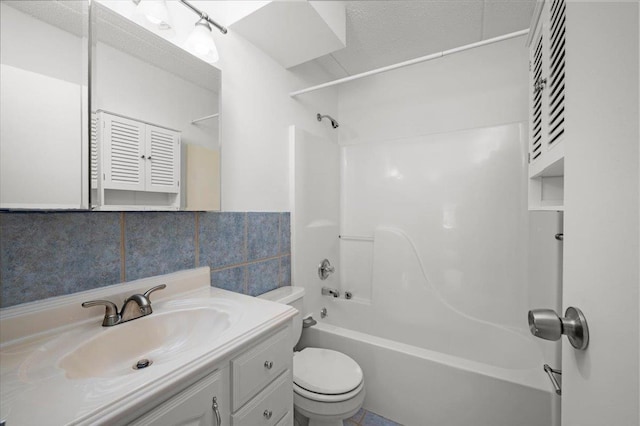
{"type": "Point", "coordinates": [204, 118]}
{"type": "Point", "coordinates": [409, 62]}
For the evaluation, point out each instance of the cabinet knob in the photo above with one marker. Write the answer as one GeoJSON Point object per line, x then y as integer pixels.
{"type": "Point", "coordinates": [149, 158]}
{"type": "Point", "coordinates": [143, 157]}
{"type": "Point", "coordinates": [267, 414]}
{"type": "Point", "coordinates": [268, 365]}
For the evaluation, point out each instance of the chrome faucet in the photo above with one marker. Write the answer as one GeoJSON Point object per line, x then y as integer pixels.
{"type": "Point", "coordinates": [326, 291]}
{"type": "Point", "coordinates": [134, 306]}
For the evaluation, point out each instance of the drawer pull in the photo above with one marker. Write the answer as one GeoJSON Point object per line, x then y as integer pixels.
{"type": "Point", "coordinates": [216, 411]}
{"type": "Point", "coordinates": [268, 365]}
{"type": "Point", "coordinates": [267, 414]}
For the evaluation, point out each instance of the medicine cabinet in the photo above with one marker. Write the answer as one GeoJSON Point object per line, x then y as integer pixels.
{"type": "Point", "coordinates": [64, 61]}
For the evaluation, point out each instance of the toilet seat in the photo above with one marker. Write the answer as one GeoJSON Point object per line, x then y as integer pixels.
{"type": "Point", "coordinates": [326, 375]}
{"type": "Point", "coordinates": [319, 397]}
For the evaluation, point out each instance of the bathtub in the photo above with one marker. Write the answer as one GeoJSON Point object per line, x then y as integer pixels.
{"type": "Point", "coordinates": [420, 387]}
{"type": "Point", "coordinates": [427, 363]}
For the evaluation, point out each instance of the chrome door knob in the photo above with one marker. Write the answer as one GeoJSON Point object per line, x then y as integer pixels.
{"type": "Point", "coordinates": [546, 324]}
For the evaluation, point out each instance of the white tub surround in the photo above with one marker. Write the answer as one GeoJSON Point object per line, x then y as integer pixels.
{"type": "Point", "coordinates": [42, 382]}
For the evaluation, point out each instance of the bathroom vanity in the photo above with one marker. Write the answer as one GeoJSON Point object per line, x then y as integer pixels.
{"type": "Point", "coordinates": [204, 356]}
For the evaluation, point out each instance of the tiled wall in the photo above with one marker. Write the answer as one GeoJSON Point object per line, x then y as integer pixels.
{"type": "Point", "coordinates": [50, 254]}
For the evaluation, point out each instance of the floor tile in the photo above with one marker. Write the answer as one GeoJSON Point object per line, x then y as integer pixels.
{"type": "Point", "coordinates": [372, 419]}
{"type": "Point", "coordinates": [357, 416]}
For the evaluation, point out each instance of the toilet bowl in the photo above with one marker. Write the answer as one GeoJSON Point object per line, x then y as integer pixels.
{"type": "Point", "coordinates": [328, 386]}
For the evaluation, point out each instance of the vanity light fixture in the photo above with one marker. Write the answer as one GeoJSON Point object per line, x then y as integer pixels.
{"type": "Point", "coordinates": [200, 41]}
{"type": "Point", "coordinates": [155, 11]}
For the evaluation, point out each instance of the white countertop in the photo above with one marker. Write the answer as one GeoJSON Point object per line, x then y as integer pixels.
{"type": "Point", "coordinates": [35, 390]}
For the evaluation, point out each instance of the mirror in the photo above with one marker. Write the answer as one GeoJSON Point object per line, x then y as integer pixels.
{"type": "Point", "coordinates": [156, 109]}
{"type": "Point", "coordinates": [54, 156]}
{"type": "Point", "coordinates": [43, 78]}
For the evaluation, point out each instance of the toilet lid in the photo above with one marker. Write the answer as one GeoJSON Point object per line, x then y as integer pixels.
{"type": "Point", "coordinates": [325, 371]}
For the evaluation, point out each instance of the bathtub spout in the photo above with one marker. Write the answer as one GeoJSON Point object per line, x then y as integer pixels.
{"type": "Point", "coordinates": [326, 291]}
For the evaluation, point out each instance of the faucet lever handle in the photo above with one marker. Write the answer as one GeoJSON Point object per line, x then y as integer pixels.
{"type": "Point", "coordinates": [111, 316]}
{"type": "Point", "coordinates": [152, 289]}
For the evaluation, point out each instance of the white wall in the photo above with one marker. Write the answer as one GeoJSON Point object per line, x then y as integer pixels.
{"type": "Point", "coordinates": [315, 214]}
{"type": "Point", "coordinates": [255, 117]}
{"type": "Point", "coordinates": [481, 87]}
{"type": "Point", "coordinates": [478, 262]}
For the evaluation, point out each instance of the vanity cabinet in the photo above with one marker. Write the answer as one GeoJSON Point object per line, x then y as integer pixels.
{"type": "Point", "coordinates": [257, 367]}
{"type": "Point", "coordinates": [138, 165]}
{"type": "Point", "coordinates": [547, 106]}
{"type": "Point", "coordinates": [252, 387]}
{"type": "Point", "coordinates": [202, 404]}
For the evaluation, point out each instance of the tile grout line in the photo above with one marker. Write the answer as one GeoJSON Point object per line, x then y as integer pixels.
{"type": "Point", "coordinates": [280, 250]}
{"type": "Point", "coordinates": [197, 239]}
{"type": "Point", "coordinates": [123, 261]}
{"type": "Point", "coordinates": [253, 262]}
{"type": "Point", "coordinates": [245, 287]}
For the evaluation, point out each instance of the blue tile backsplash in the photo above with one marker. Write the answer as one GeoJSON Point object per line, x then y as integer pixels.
{"type": "Point", "coordinates": [158, 243]}
{"type": "Point", "coordinates": [263, 276]}
{"type": "Point", "coordinates": [264, 235]}
{"type": "Point", "coordinates": [50, 254]}
{"type": "Point", "coordinates": [222, 239]}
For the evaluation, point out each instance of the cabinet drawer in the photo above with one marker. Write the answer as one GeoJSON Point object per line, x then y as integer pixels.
{"type": "Point", "coordinates": [270, 406]}
{"type": "Point", "coordinates": [254, 369]}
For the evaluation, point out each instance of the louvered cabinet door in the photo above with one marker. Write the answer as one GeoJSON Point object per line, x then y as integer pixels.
{"type": "Point", "coordinates": [163, 160]}
{"type": "Point", "coordinates": [94, 151]}
{"type": "Point", "coordinates": [537, 105]}
{"type": "Point", "coordinates": [547, 86]}
{"type": "Point", "coordinates": [122, 148]}
{"type": "Point", "coordinates": [555, 90]}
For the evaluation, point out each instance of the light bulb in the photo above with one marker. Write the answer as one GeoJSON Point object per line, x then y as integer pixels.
{"type": "Point", "coordinates": [155, 11]}
{"type": "Point", "coordinates": [200, 42]}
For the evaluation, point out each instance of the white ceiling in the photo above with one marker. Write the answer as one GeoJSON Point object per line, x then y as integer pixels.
{"type": "Point", "coordinates": [381, 33]}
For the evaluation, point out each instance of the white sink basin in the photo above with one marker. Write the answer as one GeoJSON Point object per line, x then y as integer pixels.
{"type": "Point", "coordinates": [158, 337]}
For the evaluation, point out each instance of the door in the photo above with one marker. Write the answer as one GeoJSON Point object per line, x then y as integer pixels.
{"type": "Point", "coordinates": [121, 143]}
{"type": "Point", "coordinates": [601, 234]}
{"type": "Point", "coordinates": [162, 160]}
{"type": "Point", "coordinates": [202, 404]}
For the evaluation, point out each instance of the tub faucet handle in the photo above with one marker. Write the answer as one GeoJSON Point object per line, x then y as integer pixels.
{"type": "Point", "coordinates": [325, 269]}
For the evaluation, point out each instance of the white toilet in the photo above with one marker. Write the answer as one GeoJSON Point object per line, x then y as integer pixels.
{"type": "Point", "coordinates": [328, 385]}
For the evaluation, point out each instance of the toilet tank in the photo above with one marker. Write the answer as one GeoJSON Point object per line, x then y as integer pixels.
{"type": "Point", "coordinates": [292, 296]}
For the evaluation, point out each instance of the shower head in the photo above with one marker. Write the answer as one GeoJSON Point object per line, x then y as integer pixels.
{"type": "Point", "coordinates": [334, 123]}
